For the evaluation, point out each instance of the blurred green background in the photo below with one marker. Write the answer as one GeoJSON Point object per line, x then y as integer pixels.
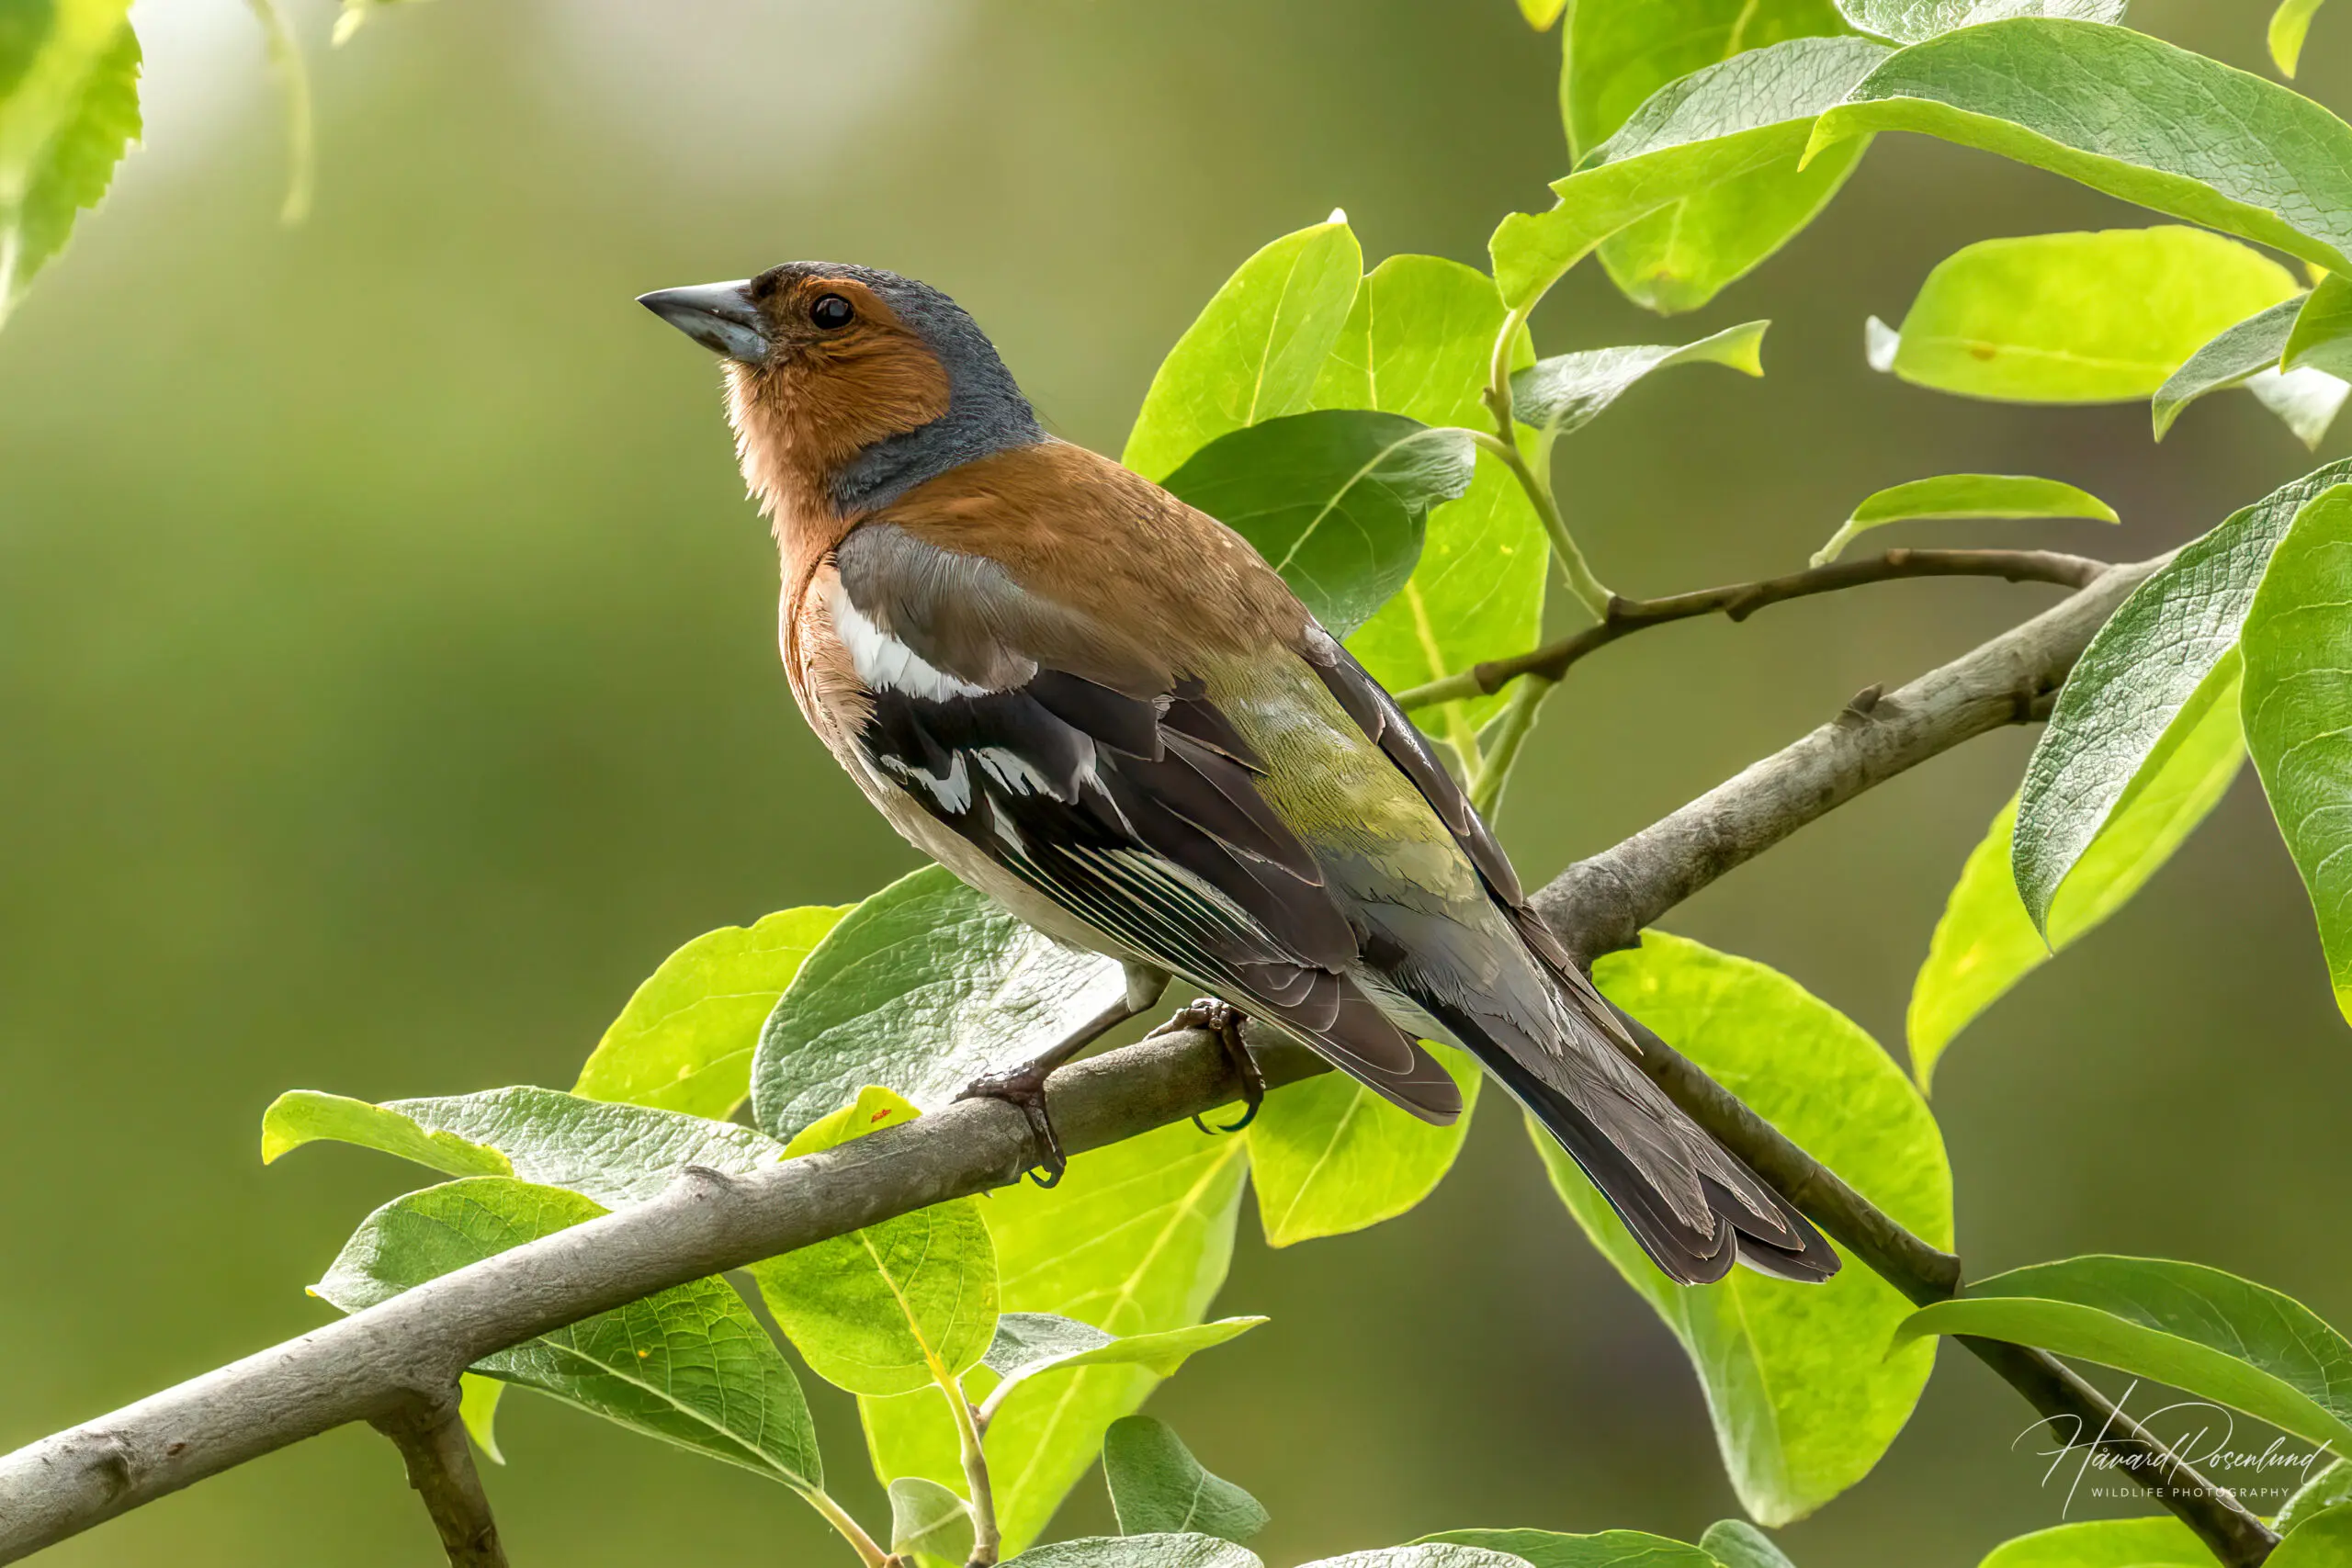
{"type": "Point", "coordinates": [387, 681]}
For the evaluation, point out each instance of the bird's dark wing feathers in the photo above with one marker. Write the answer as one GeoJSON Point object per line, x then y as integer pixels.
{"type": "Point", "coordinates": [1617, 1125]}
{"type": "Point", "coordinates": [1140, 814]}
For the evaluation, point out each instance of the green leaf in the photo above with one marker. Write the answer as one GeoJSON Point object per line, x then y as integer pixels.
{"type": "Point", "coordinates": [1569, 391]}
{"type": "Point", "coordinates": [2247, 356]}
{"type": "Point", "coordinates": [2321, 338]}
{"type": "Point", "coordinates": [686, 1040]}
{"type": "Point", "coordinates": [690, 1366]}
{"type": "Point", "coordinates": [2129, 115]}
{"type": "Point", "coordinates": [2297, 705]}
{"type": "Point", "coordinates": [1916, 21]}
{"type": "Point", "coordinates": [1542, 14]}
{"type": "Point", "coordinates": [922, 987]}
{"type": "Point", "coordinates": [69, 109]}
{"type": "Point", "coordinates": [1736, 1543]}
{"type": "Point", "coordinates": [1609, 1548]}
{"type": "Point", "coordinates": [1706, 129]}
{"type": "Point", "coordinates": [1964, 495]}
{"type": "Point", "coordinates": [478, 1408]}
{"type": "Point", "coordinates": [613, 1154]}
{"type": "Point", "coordinates": [2331, 1487]}
{"type": "Point", "coordinates": [1420, 342]}
{"type": "Point", "coordinates": [1028, 1343]}
{"type": "Point", "coordinates": [302, 1115]}
{"type": "Point", "coordinates": [1335, 499]}
{"type": "Point", "coordinates": [1985, 941]}
{"type": "Point", "coordinates": [1328, 1156]}
{"type": "Point", "coordinates": [2323, 1540]}
{"type": "Point", "coordinates": [1803, 1395]}
{"type": "Point", "coordinates": [1432, 1553]}
{"type": "Point", "coordinates": [2153, 655]}
{"type": "Point", "coordinates": [1138, 1552]}
{"type": "Point", "coordinates": [926, 1517]}
{"type": "Point", "coordinates": [2289, 25]}
{"type": "Point", "coordinates": [2211, 1334]}
{"type": "Point", "coordinates": [1619, 53]}
{"type": "Point", "coordinates": [2087, 318]}
{"type": "Point", "coordinates": [1159, 1488]}
{"type": "Point", "coordinates": [2160, 1542]}
{"type": "Point", "coordinates": [1135, 1240]}
{"type": "Point", "coordinates": [898, 1306]}
{"type": "Point", "coordinates": [1254, 352]}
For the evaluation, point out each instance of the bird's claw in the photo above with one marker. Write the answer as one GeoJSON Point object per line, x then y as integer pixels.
{"type": "Point", "coordinates": [1223, 1020]}
{"type": "Point", "coordinates": [1024, 1089]}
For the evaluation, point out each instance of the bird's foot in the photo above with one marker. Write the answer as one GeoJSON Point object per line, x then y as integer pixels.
{"type": "Point", "coordinates": [1223, 1020]}
{"type": "Point", "coordinates": [1023, 1087]}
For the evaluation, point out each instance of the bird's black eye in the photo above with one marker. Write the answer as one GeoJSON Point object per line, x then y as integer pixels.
{"type": "Point", "coordinates": [831, 311]}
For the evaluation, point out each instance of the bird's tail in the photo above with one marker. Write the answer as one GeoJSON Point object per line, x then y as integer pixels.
{"type": "Point", "coordinates": [1694, 1205]}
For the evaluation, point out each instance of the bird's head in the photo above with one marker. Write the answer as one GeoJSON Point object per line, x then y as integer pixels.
{"type": "Point", "coordinates": [848, 386]}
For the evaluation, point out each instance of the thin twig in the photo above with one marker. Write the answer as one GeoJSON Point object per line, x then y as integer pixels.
{"type": "Point", "coordinates": [1737, 600]}
{"type": "Point", "coordinates": [441, 1467]}
{"type": "Point", "coordinates": [362, 1366]}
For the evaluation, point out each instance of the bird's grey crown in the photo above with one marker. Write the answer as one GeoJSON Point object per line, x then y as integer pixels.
{"type": "Point", "coordinates": [986, 411]}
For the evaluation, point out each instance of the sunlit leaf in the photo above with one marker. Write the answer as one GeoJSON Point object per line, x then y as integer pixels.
{"type": "Point", "coordinates": [2160, 1542]}
{"type": "Point", "coordinates": [1136, 1241]}
{"type": "Point", "coordinates": [895, 1307]}
{"type": "Point", "coordinates": [1985, 941]}
{"type": "Point", "coordinates": [2247, 356]}
{"type": "Point", "coordinates": [2290, 24]}
{"type": "Point", "coordinates": [2129, 685]}
{"type": "Point", "coordinates": [1618, 54]}
{"type": "Point", "coordinates": [2081, 318]}
{"type": "Point", "coordinates": [1328, 1156]}
{"type": "Point", "coordinates": [1542, 14]}
{"type": "Point", "coordinates": [1420, 342]}
{"type": "Point", "coordinates": [922, 988]}
{"type": "Point", "coordinates": [1159, 1488]}
{"type": "Point", "coordinates": [478, 1408]}
{"type": "Point", "coordinates": [1567, 392]}
{"type": "Point", "coordinates": [2297, 705]}
{"type": "Point", "coordinates": [613, 1154]}
{"type": "Point", "coordinates": [1255, 351]}
{"type": "Point", "coordinates": [1434, 1553]}
{"type": "Point", "coordinates": [686, 1040]}
{"type": "Point", "coordinates": [2322, 1540]}
{"type": "Point", "coordinates": [1336, 500]}
{"type": "Point", "coordinates": [2331, 1487]}
{"type": "Point", "coordinates": [1914, 21]}
{"type": "Point", "coordinates": [1964, 495]}
{"type": "Point", "coordinates": [2210, 1333]}
{"type": "Point", "coordinates": [69, 109]}
{"type": "Point", "coordinates": [1703, 131]}
{"type": "Point", "coordinates": [2129, 115]}
{"type": "Point", "coordinates": [690, 1366]}
{"type": "Point", "coordinates": [1803, 1395]}
{"type": "Point", "coordinates": [2321, 338]}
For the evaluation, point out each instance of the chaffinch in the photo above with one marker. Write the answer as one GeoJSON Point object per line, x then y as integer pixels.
{"type": "Point", "coordinates": [1101, 708]}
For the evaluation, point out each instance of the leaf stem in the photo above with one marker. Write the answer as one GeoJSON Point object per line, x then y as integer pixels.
{"type": "Point", "coordinates": [1737, 600]}
{"type": "Point", "coordinates": [1510, 734]}
{"type": "Point", "coordinates": [301, 135]}
{"type": "Point", "coordinates": [872, 1555]}
{"type": "Point", "coordinates": [986, 1539]}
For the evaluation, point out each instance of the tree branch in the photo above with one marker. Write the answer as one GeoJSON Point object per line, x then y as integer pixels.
{"type": "Point", "coordinates": [1737, 600]}
{"type": "Point", "coordinates": [441, 1467]}
{"type": "Point", "coordinates": [370, 1366]}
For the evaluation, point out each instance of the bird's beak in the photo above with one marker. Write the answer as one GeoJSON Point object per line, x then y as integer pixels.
{"type": "Point", "coordinates": [719, 316]}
